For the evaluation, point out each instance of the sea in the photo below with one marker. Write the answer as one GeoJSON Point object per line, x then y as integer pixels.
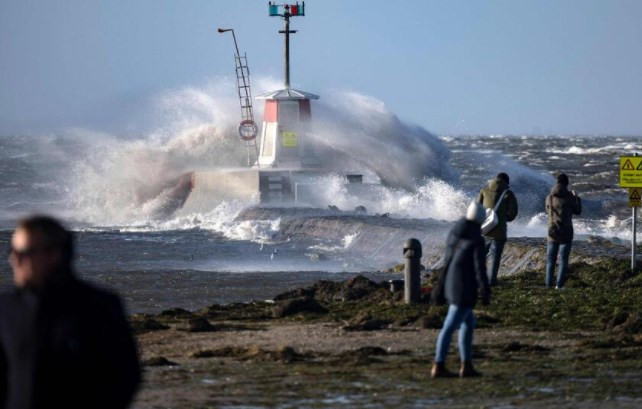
{"type": "Point", "coordinates": [110, 188]}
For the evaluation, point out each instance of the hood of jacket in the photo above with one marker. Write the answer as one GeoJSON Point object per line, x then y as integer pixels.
{"type": "Point", "coordinates": [560, 191]}
{"type": "Point", "coordinates": [465, 229]}
{"type": "Point", "coordinates": [497, 185]}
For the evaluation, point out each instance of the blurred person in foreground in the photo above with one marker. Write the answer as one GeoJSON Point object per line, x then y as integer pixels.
{"type": "Point", "coordinates": [63, 343]}
{"type": "Point", "coordinates": [463, 274]}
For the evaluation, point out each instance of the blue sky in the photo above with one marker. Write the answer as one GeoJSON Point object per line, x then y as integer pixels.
{"type": "Point", "coordinates": [476, 66]}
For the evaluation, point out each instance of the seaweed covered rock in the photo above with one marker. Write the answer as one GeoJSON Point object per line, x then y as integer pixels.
{"type": "Point", "coordinates": [176, 313]}
{"type": "Point", "coordinates": [199, 324]}
{"type": "Point", "coordinates": [294, 306]}
{"type": "Point", "coordinates": [285, 354]}
{"type": "Point", "coordinates": [360, 287]}
{"type": "Point", "coordinates": [326, 291]}
{"type": "Point", "coordinates": [365, 322]}
{"type": "Point", "coordinates": [516, 346]}
{"type": "Point", "coordinates": [143, 324]}
{"type": "Point", "coordinates": [433, 320]}
{"type": "Point", "coordinates": [239, 311]}
{"type": "Point", "coordinates": [362, 356]}
{"type": "Point", "coordinates": [627, 323]}
{"type": "Point", "coordinates": [296, 293]}
{"type": "Point", "coordinates": [158, 361]}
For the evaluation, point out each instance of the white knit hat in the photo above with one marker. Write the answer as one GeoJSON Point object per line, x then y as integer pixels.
{"type": "Point", "coordinates": [476, 213]}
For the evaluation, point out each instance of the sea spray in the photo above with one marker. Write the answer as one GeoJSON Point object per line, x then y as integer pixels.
{"type": "Point", "coordinates": [355, 132]}
{"type": "Point", "coordinates": [124, 180]}
{"type": "Point", "coordinates": [121, 182]}
{"type": "Point", "coordinates": [433, 198]}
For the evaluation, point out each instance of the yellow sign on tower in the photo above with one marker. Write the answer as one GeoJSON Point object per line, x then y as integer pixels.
{"type": "Point", "coordinates": [631, 171]}
{"type": "Point", "coordinates": [290, 139]}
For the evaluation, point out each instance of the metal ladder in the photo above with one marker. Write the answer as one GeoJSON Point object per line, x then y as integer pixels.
{"type": "Point", "coordinates": [245, 98]}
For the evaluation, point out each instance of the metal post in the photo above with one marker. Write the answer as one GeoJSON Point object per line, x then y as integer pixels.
{"type": "Point", "coordinates": [236, 45]}
{"type": "Point", "coordinates": [287, 51]}
{"type": "Point", "coordinates": [634, 241]}
{"type": "Point", "coordinates": [412, 284]}
{"type": "Point", "coordinates": [286, 16]}
{"type": "Point", "coordinates": [634, 236]}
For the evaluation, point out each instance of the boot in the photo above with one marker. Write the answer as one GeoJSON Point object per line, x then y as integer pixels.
{"type": "Point", "coordinates": [467, 370]}
{"type": "Point", "coordinates": [439, 371]}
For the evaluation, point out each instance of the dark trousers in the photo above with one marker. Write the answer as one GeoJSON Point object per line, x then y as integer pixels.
{"type": "Point", "coordinates": [495, 248]}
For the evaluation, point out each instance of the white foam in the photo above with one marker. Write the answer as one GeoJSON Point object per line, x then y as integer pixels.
{"type": "Point", "coordinates": [118, 181]}
{"type": "Point", "coordinates": [434, 198]}
{"type": "Point", "coordinates": [126, 183]}
{"type": "Point", "coordinates": [222, 220]}
{"type": "Point", "coordinates": [536, 226]}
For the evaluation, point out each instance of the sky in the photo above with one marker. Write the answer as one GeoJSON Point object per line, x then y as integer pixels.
{"type": "Point", "coordinates": [452, 66]}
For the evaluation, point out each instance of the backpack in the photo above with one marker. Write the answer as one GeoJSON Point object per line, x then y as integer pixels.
{"type": "Point", "coordinates": [491, 216]}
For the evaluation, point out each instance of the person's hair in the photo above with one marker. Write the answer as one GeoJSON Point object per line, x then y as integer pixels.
{"type": "Point", "coordinates": [503, 176]}
{"type": "Point", "coordinates": [53, 235]}
{"type": "Point", "coordinates": [562, 179]}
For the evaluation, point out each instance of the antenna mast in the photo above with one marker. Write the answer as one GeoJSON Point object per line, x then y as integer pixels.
{"type": "Point", "coordinates": [286, 11]}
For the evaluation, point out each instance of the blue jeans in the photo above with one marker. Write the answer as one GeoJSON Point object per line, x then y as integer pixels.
{"type": "Point", "coordinates": [551, 258]}
{"type": "Point", "coordinates": [497, 247]}
{"type": "Point", "coordinates": [464, 319]}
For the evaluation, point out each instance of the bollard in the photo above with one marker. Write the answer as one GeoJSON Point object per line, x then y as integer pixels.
{"type": "Point", "coordinates": [396, 285]}
{"type": "Point", "coordinates": [412, 284]}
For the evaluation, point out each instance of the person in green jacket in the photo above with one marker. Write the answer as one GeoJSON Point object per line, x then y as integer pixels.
{"type": "Point", "coordinates": [506, 212]}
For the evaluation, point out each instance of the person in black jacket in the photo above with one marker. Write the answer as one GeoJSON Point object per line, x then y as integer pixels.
{"type": "Point", "coordinates": [465, 272]}
{"type": "Point", "coordinates": [63, 343]}
{"type": "Point", "coordinates": [561, 205]}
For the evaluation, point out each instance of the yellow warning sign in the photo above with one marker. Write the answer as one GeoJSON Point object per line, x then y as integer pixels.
{"type": "Point", "coordinates": [290, 139]}
{"type": "Point", "coordinates": [628, 165]}
{"type": "Point", "coordinates": [635, 198]}
{"type": "Point", "coordinates": [631, 171]}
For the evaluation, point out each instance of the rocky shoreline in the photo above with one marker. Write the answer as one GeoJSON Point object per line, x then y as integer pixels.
{"type": "Point", "coordinates": [355, 344]}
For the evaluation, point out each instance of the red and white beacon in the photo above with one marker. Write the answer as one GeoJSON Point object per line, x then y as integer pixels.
{"type": "Point", "coordinates": [286, 119]}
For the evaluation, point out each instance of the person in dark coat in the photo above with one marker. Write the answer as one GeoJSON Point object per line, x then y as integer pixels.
{"type": "Point", "coordinates": [561, 205]}
{"type": "Point", "coordinates": [63, 343]}
{"type": "Point", "coordinates": [465, 273]}
{"type": "Point", "coordinates": [506, 212]}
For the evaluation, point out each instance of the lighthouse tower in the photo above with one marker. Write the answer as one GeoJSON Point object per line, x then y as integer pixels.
{"type": "Point", "coordinates": [287, 169]}
{"type": "Point", "coordinates": [286, 119]}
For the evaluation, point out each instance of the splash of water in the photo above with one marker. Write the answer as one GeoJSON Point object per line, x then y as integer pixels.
{"type": "Point", "coordinates": [128, 182]}
{"type": "Point", "coordinates": [359, 132]}
{"type": "Point", "coordinates": [434, 198]}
